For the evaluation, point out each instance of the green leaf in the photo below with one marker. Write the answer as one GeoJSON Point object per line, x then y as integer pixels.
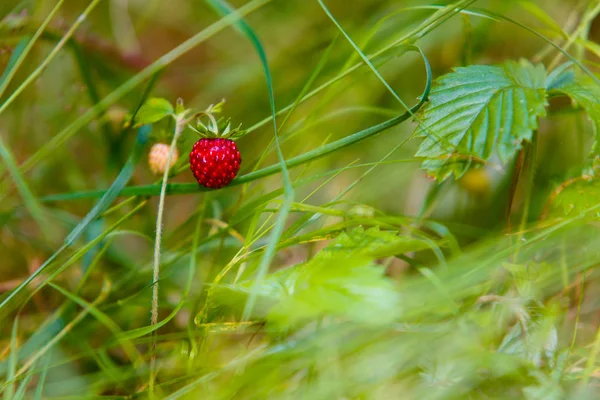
{"type": "Point", "coordinates": [342, 280]}
{"type": "Point", "coordinates": [353, 288]}
{"type": "Point", "coordinates": [586, 93]}
{"type": "Point", "coordinates": [560, 76]}
{"type": "Point", "coordinates": [479, 111]}
{"type": "Point", "coordinates": [373, 243]}
{"type": "Point", "coordinates": [153, 110]}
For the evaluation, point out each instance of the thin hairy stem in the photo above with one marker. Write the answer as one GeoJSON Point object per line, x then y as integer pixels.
{"type": "Point", "coordinates": [179, 126]}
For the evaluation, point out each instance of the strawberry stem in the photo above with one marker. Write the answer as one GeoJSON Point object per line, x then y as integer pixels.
{"type": "Point", "coordinates": [179, 125]}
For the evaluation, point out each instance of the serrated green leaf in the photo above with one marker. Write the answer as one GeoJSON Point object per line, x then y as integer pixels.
{"type": "Point", "coordinates": [477, 111]}
{"type": "Point", "coordinates": [586, 93]}
{"type": "Point", "coordinates": [153, 110]}
{"type": "Point", "coordinates": [373, 243]}
{"type": "Point", "coordinates": [561, 75]}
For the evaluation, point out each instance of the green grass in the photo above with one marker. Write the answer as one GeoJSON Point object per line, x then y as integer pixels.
{"type": "Point", "coordinates": [396, 231]}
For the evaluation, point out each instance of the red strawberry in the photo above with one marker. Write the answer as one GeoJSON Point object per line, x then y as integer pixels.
{"type": "Point", "coordinates": [215, 162]}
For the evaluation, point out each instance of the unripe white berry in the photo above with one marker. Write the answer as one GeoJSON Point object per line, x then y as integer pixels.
{"type": "Point", "coordinates": [157, 158]}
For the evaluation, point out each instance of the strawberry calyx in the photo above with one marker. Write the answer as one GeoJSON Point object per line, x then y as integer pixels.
{"type": "Point", "coordinates": [209, 127]}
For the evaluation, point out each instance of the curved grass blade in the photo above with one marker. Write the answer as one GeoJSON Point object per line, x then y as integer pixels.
{"type": "Point", "coordinates": [225, 9]}
{"type": "Point", "coordinates": [443, 15]}
{"type": "Point", "coordinates": [305, 89]}
{"type": "Point", "coordinates": [370, 64]}
{"type": "Point", "coordinates": [186, 188]}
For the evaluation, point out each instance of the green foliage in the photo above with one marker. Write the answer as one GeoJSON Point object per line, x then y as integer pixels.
{"type": "Point", "coordinates": [579, 198]}
{"type": "Point", "coordinates": [330, 268]}
{"type": "Point", "coordinates": [342, 280]}
{"type": "Point", "coordinates": [528, 277]}
{"type": "Point", "coordinates": [153, 110]}
{"type": "Point", "coordinates": [479, 111]}
{"type": "Point", "coordinates": [586, 94]}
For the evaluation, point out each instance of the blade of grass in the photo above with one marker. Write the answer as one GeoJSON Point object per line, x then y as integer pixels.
{"type": "Point", "coordinates": [116, 187]}
{"type": "Point", "coordinates": [12, 361]}
{"type": "Point", "coordinates": [38, 71]}
{"type": "Point", "coordinates": [39, 390]}
{"type": "Point", "coordinates": [364, 58]}
{"type": "Point", "coordinates": [67, 328]}
{"type": "Point", "coordinates": [225, 9]}
{"type": "Point", "coordinates": [14, 59]}
{"type": "Point", "coordinates": [132, 352]}
{"type": "Point", "coordinates": [18, 296]}
{"type": "Point", "coordinates": [318, 69]}
{"type": "Point", "coordinates": [162, 62]}
{"type": "Point", "coordinates": [376, 72]}
{"type": "Point", "coordinates": [186, 188]}
{"type": "Point", "coordinates": [20, 393]}
{"type": "Point", "coordinates": [27, 44]}
{"type": "Point", "coordinates": [102, 204]}
{"type": "Point", "coordinates": [30, 201]}
{"type": "Point", "coordinates": [444, 14]}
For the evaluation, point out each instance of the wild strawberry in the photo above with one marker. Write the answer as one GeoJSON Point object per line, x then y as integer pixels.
{"type": "Point", "coordinates": [215, 162]}
{"type": "Point", "coordinates": [157, 158]}
{"type": "Point", "coordinates": [215, 159]}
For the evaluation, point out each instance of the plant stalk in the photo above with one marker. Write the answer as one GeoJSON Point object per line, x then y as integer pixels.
{"type": "Point", "coordinates": [179, 126]}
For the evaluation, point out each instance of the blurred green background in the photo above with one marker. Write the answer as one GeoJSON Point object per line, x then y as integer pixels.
{"type": "Point", "coordinates": [122, 37]}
